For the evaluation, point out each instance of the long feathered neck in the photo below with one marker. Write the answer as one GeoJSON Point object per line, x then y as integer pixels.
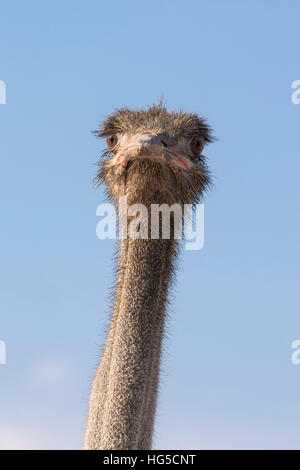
{"type": "Point", "coordinates": [123, 398]}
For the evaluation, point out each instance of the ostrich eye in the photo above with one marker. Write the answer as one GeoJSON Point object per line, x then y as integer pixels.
{"type": "Point", "coordinates": [197, 145]}
{"type": "Point", "coordinates": [112, 141]}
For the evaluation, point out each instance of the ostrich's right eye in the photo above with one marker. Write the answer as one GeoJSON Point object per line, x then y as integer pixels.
{"type": "Point", "coordinates": [112, 141]}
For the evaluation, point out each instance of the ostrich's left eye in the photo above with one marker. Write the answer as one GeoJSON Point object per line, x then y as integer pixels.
{"type": "Point", "coordinates": [197, 145]}
{"type": "Point", "coordinates": [112, 141]}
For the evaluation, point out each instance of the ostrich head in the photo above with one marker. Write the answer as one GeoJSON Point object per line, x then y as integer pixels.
{"type": "Point", "coordinates": [154, 156]}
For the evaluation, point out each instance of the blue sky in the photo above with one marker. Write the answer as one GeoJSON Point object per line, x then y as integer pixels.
{"type": "Point", "coordinates": [228, 380]}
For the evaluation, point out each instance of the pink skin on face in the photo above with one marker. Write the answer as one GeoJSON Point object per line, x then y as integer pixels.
{"type": "Point", "coordinates": [170, 154]}
{"type": "Point", "coordinates": [179, 159]}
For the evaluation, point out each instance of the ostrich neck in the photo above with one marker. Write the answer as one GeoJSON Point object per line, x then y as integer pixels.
{"type": "Point", "coordinates": [137, 336]}
{"type": "Point", "coordinates": [123, 400]}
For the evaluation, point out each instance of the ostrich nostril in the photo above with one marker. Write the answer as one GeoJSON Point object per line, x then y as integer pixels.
{"type": "Point", "coordinates": [164, 143]}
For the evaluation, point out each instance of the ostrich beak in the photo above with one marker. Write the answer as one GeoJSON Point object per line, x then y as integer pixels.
{"type": "Point", "coordinates": [152, 146]}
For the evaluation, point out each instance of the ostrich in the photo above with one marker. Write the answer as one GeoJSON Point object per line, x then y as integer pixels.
{"type": "Point", "coordinates": [153, 157]}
